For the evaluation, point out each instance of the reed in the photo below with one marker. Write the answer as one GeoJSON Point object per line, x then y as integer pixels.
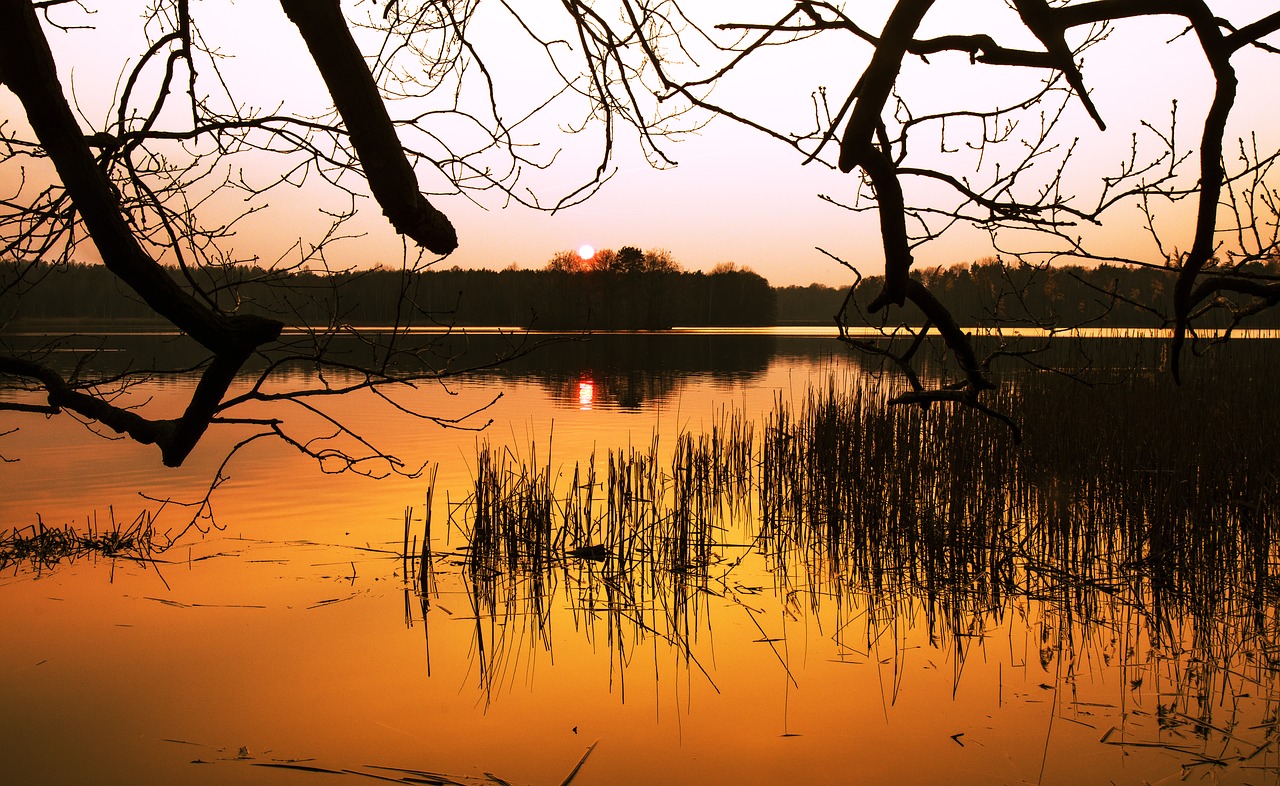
{"type": "Point", "coordinates": [1132, 512]}
{"type": "Point", "coordinates": [43, 547]}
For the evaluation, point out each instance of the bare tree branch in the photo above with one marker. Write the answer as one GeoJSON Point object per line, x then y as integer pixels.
{"type": "Point", "coordinates": [372, 135]}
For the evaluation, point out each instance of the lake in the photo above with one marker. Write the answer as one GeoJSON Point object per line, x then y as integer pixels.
{"type": "Point", "coordinates": [692, 557]}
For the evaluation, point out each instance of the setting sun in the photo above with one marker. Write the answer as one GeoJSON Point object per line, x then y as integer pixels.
{"type": "Point", "coordinates": [586, 251]}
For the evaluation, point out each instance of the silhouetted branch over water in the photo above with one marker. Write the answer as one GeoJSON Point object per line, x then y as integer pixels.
{"type": "Point", "coordinates": [942, 131]}
{"type": "Point", "coordinates": [958, 127]}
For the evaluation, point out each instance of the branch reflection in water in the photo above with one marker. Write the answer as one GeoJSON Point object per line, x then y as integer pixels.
{"type": "Point", "coordinates": [1114, 547]}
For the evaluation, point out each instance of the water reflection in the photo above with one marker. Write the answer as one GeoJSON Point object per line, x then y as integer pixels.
{"type": "Point", "coordinates": [1129, 571]}
{"type": "Point", "coordinates": [627, 370]}
{"type": "Point", "coordinates": [635, 370]}
{"type": "Point", "coordinates": [586, 393]}
{"type": "Point", "coordinates": [803, 586]}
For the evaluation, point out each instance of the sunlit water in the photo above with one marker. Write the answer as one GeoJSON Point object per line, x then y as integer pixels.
{"type": "Point", "coordinates": [293, 631]}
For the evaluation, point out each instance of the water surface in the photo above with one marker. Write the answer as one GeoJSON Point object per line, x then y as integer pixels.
{"type": "Point", "coordinates": [976, 612]}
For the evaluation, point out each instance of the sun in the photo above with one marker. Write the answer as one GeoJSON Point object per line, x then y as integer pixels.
{"type": "Point", "coordinates": [586, 251]}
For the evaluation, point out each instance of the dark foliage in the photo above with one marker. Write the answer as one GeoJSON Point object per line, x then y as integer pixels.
{"type": "Point", "coordinates": [539, 299]}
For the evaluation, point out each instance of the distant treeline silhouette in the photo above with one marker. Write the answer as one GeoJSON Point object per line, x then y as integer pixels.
{"type": "Point", "coordinates": [642, 296]}
{"type": "Point", "coordinates": [988, 293]}
{"type": "Point", "coordinates": [538, 299]}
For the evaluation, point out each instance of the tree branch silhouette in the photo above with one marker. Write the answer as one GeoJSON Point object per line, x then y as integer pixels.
{"type": "Point", "coordinates": [1006, 172]}
{"type": "Point", "coordinates": [158, 189]}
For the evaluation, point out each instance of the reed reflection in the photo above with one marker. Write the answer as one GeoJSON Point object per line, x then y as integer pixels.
{"type": "Point", "coordinates": [627, 547]}
{"type": "Point", "coordinates": [1135, 556]}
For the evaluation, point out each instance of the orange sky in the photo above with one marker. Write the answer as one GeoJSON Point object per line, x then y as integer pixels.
{"type": "Point", "coordinates": [736, 195]}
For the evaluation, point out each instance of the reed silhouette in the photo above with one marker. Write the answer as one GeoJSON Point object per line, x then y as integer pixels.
{"type": "Point", "coordinates": [1127, 543]}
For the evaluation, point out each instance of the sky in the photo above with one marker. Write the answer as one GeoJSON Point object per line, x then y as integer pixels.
{"type": "Point", "coordinates": [735, 194]}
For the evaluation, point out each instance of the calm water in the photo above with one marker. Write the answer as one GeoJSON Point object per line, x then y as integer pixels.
{"type": "Point", "coordinates": [289, 633]}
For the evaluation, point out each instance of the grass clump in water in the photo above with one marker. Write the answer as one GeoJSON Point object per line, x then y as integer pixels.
{"type": "Point", "coordinates": [43, 547]}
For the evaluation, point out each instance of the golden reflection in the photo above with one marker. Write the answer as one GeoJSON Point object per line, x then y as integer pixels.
{"type": "Point", "coordinates": [1138, 604]}
{"type": "Point", "coordinates": [799, 582]}
{"type": "Point", "coordinates": [586, 393]}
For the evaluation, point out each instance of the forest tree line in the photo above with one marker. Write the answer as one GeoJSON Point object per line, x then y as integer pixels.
{"type": "Point", "coordinates": [627, 296]}
{"type": "Point", "coordinates": [626, 290]}
{"type": "Point", "coordinates": [990, 293]}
